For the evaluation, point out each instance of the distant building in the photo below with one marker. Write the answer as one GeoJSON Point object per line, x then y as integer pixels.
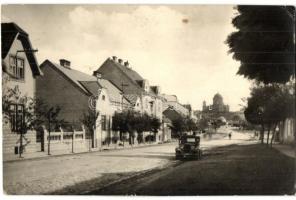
{"type": "Point", "coordinates": [171, 102]}
{"type": "Point", "coordinates": [217, 106]}
{"type": "Point", "coordinates": [19, 71]}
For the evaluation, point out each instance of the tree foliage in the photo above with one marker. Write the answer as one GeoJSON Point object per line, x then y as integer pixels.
{"type": "Point", "coordinates": [183, 124]}
{"type": "Point", "coordinates": [270, 104]}
{"type": "Point", "coordinates": [264, 43]}
{"type": "Point", "coordinates": [89, 120]}
{"type": "Point", "coordinates": [130, 121]}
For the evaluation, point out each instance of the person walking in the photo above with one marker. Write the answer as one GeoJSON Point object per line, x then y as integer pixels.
{"type": "Point", "coordinates": [229, 135]}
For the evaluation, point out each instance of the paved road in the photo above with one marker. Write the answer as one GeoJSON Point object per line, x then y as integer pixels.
{"type": "Point", "coordinates": [53, 174]}
{"type": "Point", "coordinates": [230, 170]}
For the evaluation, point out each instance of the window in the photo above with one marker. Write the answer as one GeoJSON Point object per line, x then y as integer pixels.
{"type": "Point", "coordinates": [103, 97]}
{"type": "Point", "coordinates": [103, 122]}
{"type": "Point", "coordinates": [16, 117]}
{"type": "Point", "coordinates": [17, 67]}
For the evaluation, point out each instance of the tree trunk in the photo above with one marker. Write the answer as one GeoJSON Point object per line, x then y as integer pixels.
{"type": "Point", "coordinates": [268, 131]}
{"type": "Point", "coordinates": [273, 134]}
{"type": "Point", "coordinates": [262, 133]}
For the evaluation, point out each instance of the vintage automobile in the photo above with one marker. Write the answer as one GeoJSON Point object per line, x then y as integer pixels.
{"type": "Point", "coordinates": [188, 147]}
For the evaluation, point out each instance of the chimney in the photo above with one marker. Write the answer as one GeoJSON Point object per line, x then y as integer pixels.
{"type": "Point", "coordinates": [120, 61]}
{"type": "Point", "coordinates": [126, 64]}
{"type": "Point", "coordinates": [97, 74]}
{"type": "Point", "coordinates": [158, 90]}
{"type": "Point", "coordinates": [114, 58]}
{"type": "Point", "coordinates": [65, 63]}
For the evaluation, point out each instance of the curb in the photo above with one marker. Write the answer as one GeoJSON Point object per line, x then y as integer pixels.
{"type": "Point", "coordinates": [79, 153]}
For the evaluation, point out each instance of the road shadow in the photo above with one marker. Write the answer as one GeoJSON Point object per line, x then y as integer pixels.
{"type": "Point", "coordinates": [167, 157]}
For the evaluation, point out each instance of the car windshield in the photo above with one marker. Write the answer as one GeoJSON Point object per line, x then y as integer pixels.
{"type": "Point", "coordinates": [190, 140]}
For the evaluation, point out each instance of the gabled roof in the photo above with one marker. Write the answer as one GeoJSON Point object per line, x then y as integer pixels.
{"type": "Point", "coordinates": [91, 86]}
{"type": "Point", "coordinates": [132, 74]}
{"type": "Point", "coordinates": [172, 114]}
{"type": "Point", "coordinates": [80, 79]}
{"type": "Point", "coordinates": [132, 98]}
{"type": "Point", "coordinates": [135, 78]}
{"type": "Point", "coordinates": [113, 92]}
{"type": "Point", "coordinates": [170, 97]}
{"type": "Point", "coordinates": [11, 31]}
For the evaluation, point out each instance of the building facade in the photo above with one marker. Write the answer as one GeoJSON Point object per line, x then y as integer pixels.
{"type": "Point", "coordinates": [144, 97]}
{"type": "Point", "coordinates": [78, 94]}
{"type": "Point", "coordinates": [217, 106]}
{"type": "Point", "coordinates": [19, 72]}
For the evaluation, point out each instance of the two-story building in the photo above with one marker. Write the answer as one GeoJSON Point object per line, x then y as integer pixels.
{"type": "Point", "coordinates": [19, 72]}
{"type": "Point", "coordinates": [146, 98]}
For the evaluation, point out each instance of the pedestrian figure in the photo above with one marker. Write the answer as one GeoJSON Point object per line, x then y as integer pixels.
{"type": "Point", "coordinates": [229, 135]}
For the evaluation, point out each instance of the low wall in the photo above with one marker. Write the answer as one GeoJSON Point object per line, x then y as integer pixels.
{"type": "Point", "coordinates": [11, 142]}
{"type": "Point", "coordinates": [66, 142]}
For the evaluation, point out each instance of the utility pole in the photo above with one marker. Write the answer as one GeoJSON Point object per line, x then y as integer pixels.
{"type": "Point", "coordinates": [48, 149]}
{"type": "Point", "coordinates": [122, 87]}
{"type": "Point", "coordinates": [21, 138]}
{"type": "Point", "coordinates": [73, 140]}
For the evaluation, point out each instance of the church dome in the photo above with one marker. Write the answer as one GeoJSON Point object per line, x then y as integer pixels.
{"type": "Point", "coordinates": [218, 96]}
{"type": "Point", "coordinates": [218, 100]}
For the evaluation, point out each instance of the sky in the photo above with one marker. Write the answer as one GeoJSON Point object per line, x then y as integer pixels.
{"type": "Point", "coordinates": [180, 48]}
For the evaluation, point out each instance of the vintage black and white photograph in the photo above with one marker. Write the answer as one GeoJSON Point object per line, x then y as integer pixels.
{"type": "Point", "coordinates": [148, 99]}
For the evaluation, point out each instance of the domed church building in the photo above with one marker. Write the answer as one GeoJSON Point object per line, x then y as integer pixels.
{"type": "Point", "coordinates": [217, 106]}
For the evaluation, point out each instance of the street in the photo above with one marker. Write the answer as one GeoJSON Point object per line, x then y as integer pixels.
{"type": "Point", "coordinates": [230, 170]}
{"type": "Point", "coordinates": [229, 166]}
{"type": "Point", "coordinates": [82, 173]}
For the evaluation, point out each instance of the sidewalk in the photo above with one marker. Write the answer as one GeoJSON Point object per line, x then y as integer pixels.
{"type": "Point", "coordinates": [286, 149]}
{"type": "Point", "coordinates": [44, 155]}
{"type": "Point", "coordinates": [40, 176]}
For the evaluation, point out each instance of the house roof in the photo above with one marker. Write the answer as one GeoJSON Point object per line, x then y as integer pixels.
{"type": "Point", "coordinates": [10, 31]}
{"type": "Point", "coordinates": [132, 98]}
{"type": "Point", "coordinates": [75, 76]}
{"type": "Point", "coordinates": [91, 86]}
{"type": "Point", "coordinates": [171, 114]}
{"type": "Point", "coordinates": [113, 92]}
{"type": "Point", "coordinates": [170, 97]}
{"type": "Point", "coordinates": [132, 74]}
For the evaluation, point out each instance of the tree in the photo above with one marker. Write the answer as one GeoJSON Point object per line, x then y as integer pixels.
{"type": "Point", "coordinates": [183, 124]}
{"type": "Point", "coordinates": [155, 125]}
{"type": "Point", "coordinates": [178, 126]}
{"type": "Point", "coordinates": [190, 124]}
{"type": "Point", "coordinates": [129, 121]}
{"type": "Point", "coordinates": [119, 124]}
{"type": "Point", "coordinates": [46, 115]}
{"type": "Point", "coordinates": [203, 123]}
{"type": "Point", "coordinates": [264, 43]}
{"type": "Point", "coordinates": [34, 113]}
{"type": "Point", "coordinates": [268, 105]}
{"type": "Point", "coordinates": [89, 120]}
